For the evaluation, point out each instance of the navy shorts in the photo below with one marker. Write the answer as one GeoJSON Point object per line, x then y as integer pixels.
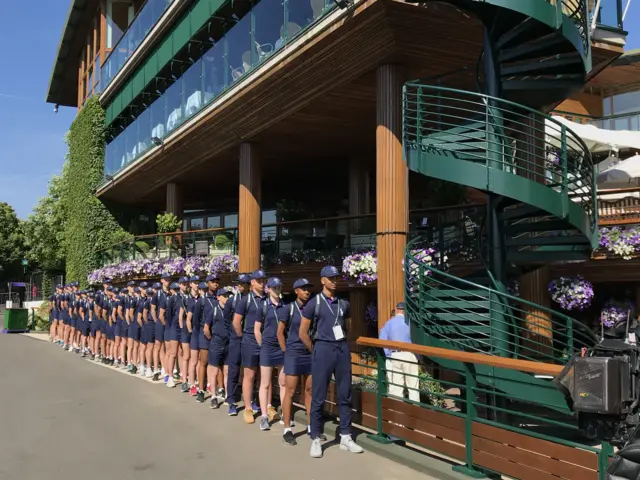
{"type": "Point", "coordinates": [159, 331]}
{"type": "Point", "coordinates": [203, 342]}
{"type": "Point", "coordinates": [170, 333]}
{"type": "Point", "coordinates": [84, 327]}
{"type": "Point", "coordinates": [194, 344]}
{"type": "Point", "coordinates": [234, 352]}
{"type": "Point", "coordinates": [73, 321]}
{"type": "Point", "coordinates": [185, 336]}
{"type": "Point", "coordinates": [95, 326]}
{"type": "Point", "coordinates": [217, 351]}
{"type": "Point", "coordinates": [149, 331]}
{"type": "Point", "coordinates": [271, 355]}
{"type": "Point", "coordinates": [111, 332]}
{"type": "Point", "coordinates": [134, 331]}
{"type": "Point", "coordinates": [117, 328]}
{"type": "Point", "coordinates": [102, 324]}
{"type": "Point", "coordinates": [143, 333]}
{"type": "Point", "coordinates": [250, 351]}
{"type": "Point", "coordinates": [297, 362]}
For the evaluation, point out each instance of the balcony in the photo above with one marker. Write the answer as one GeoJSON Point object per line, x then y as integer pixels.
{"type": "Point", "coordinates": [623, 121]}
{"type": "Point", "coordinates": [246, 45]}
{"type": "Point", "coordinates": [609, 14]}
{"type": "Point", "coordinates": [141, 25]}
{"type": "Point", "coordinates": [619, 206]}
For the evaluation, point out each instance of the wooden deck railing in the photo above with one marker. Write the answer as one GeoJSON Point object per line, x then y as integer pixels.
{"type": "Point", "coordinates": [619, 206]}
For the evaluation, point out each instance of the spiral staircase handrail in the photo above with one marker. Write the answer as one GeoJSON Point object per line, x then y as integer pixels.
{"type": "Point", "coordinates": [439, 118]}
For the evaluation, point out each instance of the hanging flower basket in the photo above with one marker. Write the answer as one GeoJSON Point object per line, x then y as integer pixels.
{"type": "Point", "coordinates": [361, 268]}
{"type": "Point", "coordinates": [614, 311]}
{"type": "Point", "coordinates": [571, 293]}
{"type": "Point", "coordinates": [619, 241]}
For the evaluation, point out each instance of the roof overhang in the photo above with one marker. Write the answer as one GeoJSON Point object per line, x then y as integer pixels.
{"type": "Point", "coordinates": [63, 83]}
{"type": "Point", "coordinates": [621, 76]}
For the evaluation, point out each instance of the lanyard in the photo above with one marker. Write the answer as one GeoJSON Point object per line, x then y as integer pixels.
{"type": "Point", "coordinates": [338, 312]}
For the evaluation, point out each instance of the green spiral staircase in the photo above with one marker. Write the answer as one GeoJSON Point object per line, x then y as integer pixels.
{"type": "Point", "coordinates": [539, 184]}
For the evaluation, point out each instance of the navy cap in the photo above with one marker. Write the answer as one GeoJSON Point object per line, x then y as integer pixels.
{"type": "Point", "coordinates": [258, 274]}
{"type": "Point", "coordinates": [183, 280]}
{"type": "Point", "coordinates": [274, 282]}
{"type": "Point", "coordinates": [165, 275]}
{"type": "Point", "coordinates": [223, 291]}
{"type": "Point", "coordinates": [149, 290]}
{"type": "Point", "coordinates": [91, 294]}
{"type": "Point", "coordinates": [107, 280]}
{"type": "Point", "coordinates": [400, 305]}
{"type": "Point", "coordinates": [156, 285]}
{"type": "Point", "coordinates": [243, 278]}
{"type": "Point", "coordinates": [213, 276]}
{"type": "Point", "coordinates": [301, 282]}
{"type": "Point", "coordinates": [59, 285]}
{"type": "Point", "coordinates": [109, 288]}
{"type": "Point", "coordinates": [174, 286]}
{"type": "Point", "coordinates": [144, 285]}
{"type": "Point", "coordinates": [115, 290]}
{"type": "Point", "coordinates": [131, 284]}
{"type": "Point", "coordinates": [202, 286]}
{"type": "Point", "coordinates": [136, 289]}
{"type": "Point", "coordinates": [329, 271]}
{"type": "Point", "coordinates": [194, 278]}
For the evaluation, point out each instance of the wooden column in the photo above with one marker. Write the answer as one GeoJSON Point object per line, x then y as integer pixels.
{"type": "Point", "coordinates": [175, 199]}
{"type": "Point", "coordinates": [392, 190]}
{"type": "Point", "coordinates": [537, 323]}
{"type": "Point", "coordinates": [249, 215]}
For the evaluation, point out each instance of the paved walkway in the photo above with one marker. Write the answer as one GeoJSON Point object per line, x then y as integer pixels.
{"type": "Point", "coordinates": [62, 417]}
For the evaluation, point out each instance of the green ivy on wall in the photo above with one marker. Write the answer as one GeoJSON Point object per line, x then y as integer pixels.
{"type": "Point", "coordinates": [90, 226]}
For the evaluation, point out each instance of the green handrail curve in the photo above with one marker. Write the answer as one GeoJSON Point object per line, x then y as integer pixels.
{"type": "Point", "coordinates": [462, 313]}
{"type": "Point", "coordinates": [502, 147]}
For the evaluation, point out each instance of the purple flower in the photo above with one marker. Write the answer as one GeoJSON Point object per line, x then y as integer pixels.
{"type": "Point", "coordinates": [614, 311]}
{"type": "Point", "coordinates": [571, 293]}
{"type": "Point", "coordinates": [361, 267]}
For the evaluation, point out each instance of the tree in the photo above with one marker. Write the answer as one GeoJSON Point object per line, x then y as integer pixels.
{"type": "Point", "coordinates": [11, 242]}
{"type": "Point", "coordinates": [44, 230]}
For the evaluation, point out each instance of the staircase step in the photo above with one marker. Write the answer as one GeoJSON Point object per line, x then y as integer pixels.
{"type": "Point", "coordinates": [455, 293]}
{"type": "Point", "coordinates": [520, 212]}
{"type": "Point", "coordinates": [557, 64]}
{"type": "Point", "coordinates": [448, 305]}
{"type": "Point", "coordinates": [541, 226]}
{"type": "Point", "coordinates": [544, 257]}
{"type": "Point", "coordinates": [563, 82]}
{"type": "Point", "coordinates": [547, 45]}
{"type": "Point", "coordinates": [462, 136]}
{"type": "Point", "coordinates": [455, 147]}
{"type": "Point", "coordinates": [545, 241]}
{"type": "Point", "coordinates": [463, 317]}
{"type": "Point", "coordinates": [523, 32]}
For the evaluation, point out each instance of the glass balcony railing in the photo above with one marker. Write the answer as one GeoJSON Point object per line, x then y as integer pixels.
{"type": "Point", "coordinates": [269, 26]}
{"type": "Point", "coordinates": [142, 24]}
{"type": "Point", "coordinates": [609, 13]}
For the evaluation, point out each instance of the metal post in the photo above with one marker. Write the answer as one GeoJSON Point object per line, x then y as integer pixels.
{"type": "Point", "coordinates": [380, 437]}
{"type": "Point", "coordinates": [470, 384]}
{"type": "Point", "coordinates": [606, 450]}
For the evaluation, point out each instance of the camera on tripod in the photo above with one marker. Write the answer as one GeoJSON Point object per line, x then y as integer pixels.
{"type": "Point", "coordinates": [603, 385]}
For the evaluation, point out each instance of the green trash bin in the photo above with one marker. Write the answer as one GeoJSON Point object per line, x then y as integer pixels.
{"type": "Point", "coordinates": [16, 320]}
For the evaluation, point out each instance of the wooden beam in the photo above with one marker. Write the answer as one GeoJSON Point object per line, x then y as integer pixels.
{"type": "Point", "coordinates": [392, 190]}
{"type": "Point", "coordinates": [249, 213]}
{"type": "Point", "coordinates": [466, 357]}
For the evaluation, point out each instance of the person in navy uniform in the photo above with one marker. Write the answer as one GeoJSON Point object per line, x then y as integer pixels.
{"type": "Point", "coordinates": [247, 312]}
{"type": "Point", "coordinates": [273, 311]}
{"type": "Point", "coordinates": [149, 328]}
{"type": "Point", "coordinates": [196, 322]}
{"type": "Point", "coordinates": [84, 325]}
{"type": "Point", "coordinates": [137, 315]}
{"type": "Point", "coordinates": [297, 359]}
{"type": "Point", "coordinates": [53, 316]}
{"type": "Point", "coordinates": [112, 304]}
{"type": "Point", "coordinates": [101, 331]}
{"type": "Point", "coordinates": [184, 337]}
{"type": "Point", "coordinates": [216, 329]}
{"type": "Point", "coordinates": [327, 317]}
{"type": "Point", "coordinates": [233, 358]}
{"type": "Point", "coordinates": [170, 333]}
{"type": "Point", "coordinates": [118, 316]}
{"type": "Point", "coordinates": [74, 302]}
{"type": "Point", "coordinates": [131, 330]}
{"type": "Point", "coordinates": [193, 306]}
{"type": "Point", "coordinates": [158, 314]}
{"type": "Point", "coordinates": [94, 325]}
{"type": "Point", "coordinates": [58, 314]}
{"type": "Point", "coordinates": [210, 300]}
{"type": "Point", "coordinates": [134, 330]}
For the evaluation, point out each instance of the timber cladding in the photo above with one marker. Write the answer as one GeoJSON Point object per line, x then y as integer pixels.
{"type": "Point", "coordinates": [504, 451]}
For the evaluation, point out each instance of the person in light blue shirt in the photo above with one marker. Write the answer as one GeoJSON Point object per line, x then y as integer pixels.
{"type": "Point", "coordinates": [402, 367]}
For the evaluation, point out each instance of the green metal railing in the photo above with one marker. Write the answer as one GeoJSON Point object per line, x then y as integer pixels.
{"type": "Point", "coordinates": [577, 11]}
{"type": "Point", "coordinates": [473, 317]}
{"type": "Point", "coordinates": [609, 14]}
{"type": "Point", "coordinates": [504, 137]}
{"type": "Point", "coordinates": [475, 404]}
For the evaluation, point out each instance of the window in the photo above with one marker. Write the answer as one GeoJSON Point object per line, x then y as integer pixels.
{"type": "Point", "coordinates": [268, 216]}
{"type": "Point", "coordinates": [117, 20]}
{"type": "Point", "coordinates": [213, 222]}
{"type": "Point", "coordinates": [197, 223]}
{"type": "Point", "coordinates": [231, 221]}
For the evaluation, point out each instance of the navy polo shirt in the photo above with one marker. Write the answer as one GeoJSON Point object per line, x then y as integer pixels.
{"type": "Point", "coordinates": [251, 308]}
{"type": "Point", "coordinates": [217, 321]}
{"type": "Point", "coordinates": [330, 312]}
{"type": "Point", "coordinates": [195, 307]}
{"type": "Point", "coordinates": [147, 304]}
{"type": "Point", "coordinates": [175, 308]}
{"type": "Point", "coordinates": [293, 326]}
{"type": "Point", "coordinates": [140, 303]}
{"type": "Point", "coordinates": [273, 315]}
{"type": "Point", "coordinates": [210, 301]}
{"type": "Point", "coordinates": [154, 301]}
{"type": "Point", "coordinates": [229, 310]}
{"type": "Point", "coordinates": [162, 301]}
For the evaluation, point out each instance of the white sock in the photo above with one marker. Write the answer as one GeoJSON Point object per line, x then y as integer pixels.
{"type": "Point", "coordinates": [287, 430]}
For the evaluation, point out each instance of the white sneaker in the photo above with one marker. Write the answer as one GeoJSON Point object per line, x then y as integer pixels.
{"type": "Point", "coordinates": [143, 371]}
{"type": "Point", "coordinates": [347, 444]}
{"type": "Point", "coordinates": [316, 448]}
{"type": "Point", "coordinates": [171, 383]}
{"type": "Point", "coordinates": [149, 373]}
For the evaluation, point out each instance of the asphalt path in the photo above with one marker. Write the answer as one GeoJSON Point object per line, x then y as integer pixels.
{"type": "Point", "coordinates": [63, 417]}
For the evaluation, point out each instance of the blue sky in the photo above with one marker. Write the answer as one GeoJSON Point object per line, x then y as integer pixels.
{"type": "Point", "coordinates": [31, 135]}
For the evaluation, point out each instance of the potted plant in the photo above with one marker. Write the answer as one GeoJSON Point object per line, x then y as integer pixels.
{"type": "Point", "coordinates": [571, 293]}
{"type": "Point", "coordinates": [167, 223]}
